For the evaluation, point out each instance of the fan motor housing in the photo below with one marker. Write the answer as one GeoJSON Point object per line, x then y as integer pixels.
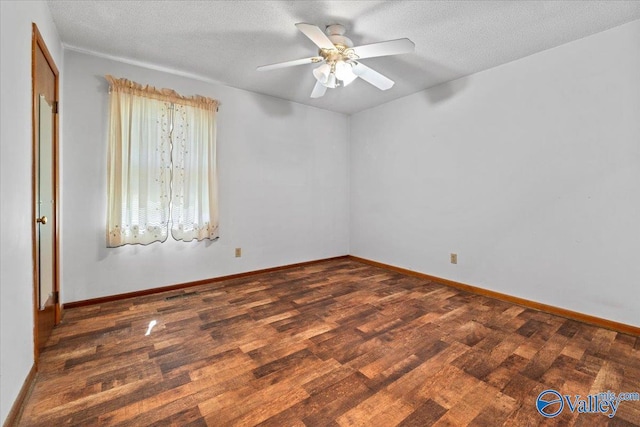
{"type": "Point", "coordinates": [336, 32]}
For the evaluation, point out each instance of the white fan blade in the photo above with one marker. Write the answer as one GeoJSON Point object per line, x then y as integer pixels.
{"type": "Point", "coordinates": [373, 77]}
{"type": "Point", "coordinates": [290, 63]}
{"type": "Point", "coordinates": [391, 47]}
{"type": "Point", "coordinates": [318, 90]}
{"type": "Point", "coordinates": [316, 35]}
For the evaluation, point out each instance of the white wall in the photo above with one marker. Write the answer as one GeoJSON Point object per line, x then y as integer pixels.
{"type": "Point", "coordinates": [529, 171]}
{"type": "Point", "coordinates": [16, 278]}
{"type": "Point", "coordinates": [283, 186]}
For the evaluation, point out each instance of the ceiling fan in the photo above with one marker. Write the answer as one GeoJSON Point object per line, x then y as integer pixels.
{"type": "Point", "coordinates": [340, 60]}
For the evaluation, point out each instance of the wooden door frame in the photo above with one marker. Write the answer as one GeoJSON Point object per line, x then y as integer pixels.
{"type": "Point", "coordinates": [39, 44]}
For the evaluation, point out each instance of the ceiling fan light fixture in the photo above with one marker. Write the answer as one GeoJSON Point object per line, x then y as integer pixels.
{"type": "Point", "coordinates": [322, 73]}
{"type": "Point", "coordinates": [326, 76]}
{"type": "Point", "coordinates": [339, 59]}
{"type": "Point", "coordinates": [332, 82]}
{"type": "Point", "coordinates": [344, 73]}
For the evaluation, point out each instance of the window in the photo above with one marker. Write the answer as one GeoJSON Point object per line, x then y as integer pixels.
{"type": "Point", "coordinates": [162, 176]}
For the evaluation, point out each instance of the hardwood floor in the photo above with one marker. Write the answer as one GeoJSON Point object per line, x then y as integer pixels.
{"type": "Point", "coordinates": [335, 343]}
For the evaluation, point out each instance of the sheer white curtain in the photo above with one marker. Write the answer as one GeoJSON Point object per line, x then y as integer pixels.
{"type": "Point", "coordinates": [161, 167]}
{"type": "Point", "coordinates": [194, 208]}
{"type": "Point", "coordinates": [139, 173]}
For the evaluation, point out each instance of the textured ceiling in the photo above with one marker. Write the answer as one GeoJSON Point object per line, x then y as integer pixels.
{"type": "Point", "coordinates": [225, 41]}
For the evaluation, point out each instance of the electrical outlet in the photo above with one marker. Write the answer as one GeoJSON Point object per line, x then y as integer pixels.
{"type": "Point", "coordinates": [238, 252]}
{"type": "Point", "coordinates": [454, 258]}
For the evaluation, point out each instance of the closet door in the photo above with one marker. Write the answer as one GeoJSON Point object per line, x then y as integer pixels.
{"type": "Point", "coordinates": [45, 177]}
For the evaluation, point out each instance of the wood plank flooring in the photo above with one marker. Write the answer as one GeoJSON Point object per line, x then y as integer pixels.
{"type": "Point", "coordinates": [335, 343]}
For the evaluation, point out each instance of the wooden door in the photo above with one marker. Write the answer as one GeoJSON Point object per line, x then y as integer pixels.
{"type": "Point", "coordinates": [45, 192]}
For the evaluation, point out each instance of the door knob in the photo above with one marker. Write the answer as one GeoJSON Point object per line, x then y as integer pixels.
{"type": "Point", "coordinates": [42, 220]}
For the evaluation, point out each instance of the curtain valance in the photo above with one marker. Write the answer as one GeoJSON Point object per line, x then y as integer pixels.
{"type": "Point", "coordinates": [165, 95]}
